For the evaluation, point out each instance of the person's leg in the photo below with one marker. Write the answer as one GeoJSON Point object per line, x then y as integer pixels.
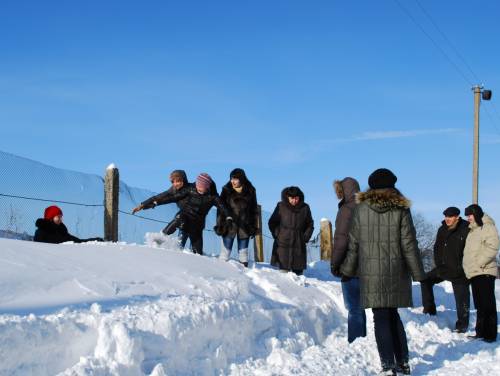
{"type": "Point", "coordinates": [298, 271]}
{"type": "Point", "coordinates": [427, 289]}
{"type": "Point", "coordinates": [383, 336]}
{"type": "Point", "coordinates": [173, 224]}
{"type": "Point", "coordinates": [487, 302]}
{"type": "Point", "coordinates": [462, 303]}
{"type": "Point", "coordinates": [356, 317]}
{"type": "Point", "coordinates": [400, 343]}
{"type": "Point", "coordinates": [243, 250]}
{"type": "Point", "coordinates": [182, 237]}
{"type": "Point", "coordinates": [196, 238]}
{"type": "Point", "coordinates": [476, 287]}
{"type": "Point", "coordinates": [227, 242]}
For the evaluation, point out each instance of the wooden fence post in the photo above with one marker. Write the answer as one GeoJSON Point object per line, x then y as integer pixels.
{"type": "Point", "coordinates": [258, 244]}
{"type": "Point", "coordinates": [326, 244]}
{"type": "Point", "coordinates": [111, 194]}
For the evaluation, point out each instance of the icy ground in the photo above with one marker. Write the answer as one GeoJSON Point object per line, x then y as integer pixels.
{"type": "Point", "coordinates": [118, 309]}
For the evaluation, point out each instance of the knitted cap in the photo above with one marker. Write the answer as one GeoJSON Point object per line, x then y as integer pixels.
{"type": "Point", "coordinates": [51, 212]}
{"type": "Point", "coordinates": [203, 181]}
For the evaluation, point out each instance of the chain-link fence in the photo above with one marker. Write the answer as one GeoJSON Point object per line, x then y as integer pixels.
{"type": "Point", "coordinates": [28, 187]}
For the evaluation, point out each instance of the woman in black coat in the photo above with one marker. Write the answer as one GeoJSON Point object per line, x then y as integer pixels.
{"type": "Point", "coordinates": [240, 199]}
{"type": "Point", "coordinates": [292, 226]}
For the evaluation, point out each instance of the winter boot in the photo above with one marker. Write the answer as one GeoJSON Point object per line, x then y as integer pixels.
{"type": "Point", "coordinates": [403, 368]}
{"type": "Point", "coordinates": [430, 311]}
{"type": "Point", "coordinates": [388, 372]}
{"type": "Point", "coordinates": [245, 264]}
{"type": "Point", "coordinates": [173, 225]}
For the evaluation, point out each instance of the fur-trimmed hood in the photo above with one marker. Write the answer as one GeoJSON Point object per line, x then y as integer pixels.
{"type": "Point", "coordinates": [346, 189]}
{"type": "Point", "coordinates": [382, 200]}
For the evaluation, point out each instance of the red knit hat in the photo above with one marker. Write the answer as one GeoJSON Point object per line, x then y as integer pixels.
{"type": "Point", "coordinates": [51, 212]}
{"type": "Point", "coordinates": [204, 181]}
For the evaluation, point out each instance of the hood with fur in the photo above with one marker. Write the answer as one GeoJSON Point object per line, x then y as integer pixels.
{"type": "Point", "coordinates": [346, 189]}
{"type": "Point", "coordinates": [382, 200]}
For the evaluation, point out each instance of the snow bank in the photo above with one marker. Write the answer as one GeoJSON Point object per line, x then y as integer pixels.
{"type": "Point", "coordinates": [118, 309]}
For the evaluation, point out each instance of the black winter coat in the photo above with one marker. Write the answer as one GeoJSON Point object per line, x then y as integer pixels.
{"type": "Point", "coordinates": [348, 187]}
{"type": "Point", "coordinates": [160, 198]}
{"type": "Point", "coordinates": [48, 232]}
{"type": "Point", "coordinates": [195, 206]}
{"type": "Point", "coordinates": [291, 227]}
{"type": "Point", "coordinates": [449, 251]}
{"type": "Point", "coordinates": [242, 207]}
{"type": "Point", "coordinates": [383, 249]}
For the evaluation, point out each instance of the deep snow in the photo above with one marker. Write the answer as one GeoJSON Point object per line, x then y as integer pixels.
{"type": "Point", "coordinates": [119, 309]}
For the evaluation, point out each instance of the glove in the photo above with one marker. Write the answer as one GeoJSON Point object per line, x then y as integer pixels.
{"type": "Point", "coordinates": [251, 231]}
{"type": "Point", "coordinates": [336, 271]}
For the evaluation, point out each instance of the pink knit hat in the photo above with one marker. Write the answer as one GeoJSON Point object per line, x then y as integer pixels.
{"type": "Point", "coordinates": [203, 181]}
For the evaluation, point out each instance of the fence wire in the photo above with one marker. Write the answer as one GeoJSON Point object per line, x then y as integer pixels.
{"type": "Point", "coordinates": [28, 187]}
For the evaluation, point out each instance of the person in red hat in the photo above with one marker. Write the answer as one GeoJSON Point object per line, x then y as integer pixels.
{"type": "Point", "coordinates": [51, 229]}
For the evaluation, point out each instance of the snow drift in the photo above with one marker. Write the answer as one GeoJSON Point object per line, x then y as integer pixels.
{"type": "Point", "coordinates": [118, 309]}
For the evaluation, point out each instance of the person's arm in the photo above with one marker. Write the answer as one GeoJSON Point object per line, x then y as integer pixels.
{"type": "Point", "coordinates": [350, 264]}
{"type": "Point", "coordinates": [274, 222]}
{"type": "Point", "coordinates": [221, 208]}
{"type": "Point", "coordinates": [309, 225]}
{"type": "Point", "coordinates": [341, 236]}
{"type": "Point", "coordinates": [489, 245]}
{"type": "Point", "coordinates": [409, 247]}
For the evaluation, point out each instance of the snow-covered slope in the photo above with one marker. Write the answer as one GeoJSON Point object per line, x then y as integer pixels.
{"type": "Point", "coordinates": [118, 309]}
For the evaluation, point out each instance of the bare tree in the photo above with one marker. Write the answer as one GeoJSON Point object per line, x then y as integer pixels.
{"type": "Point", "coordinates": [426, 234]}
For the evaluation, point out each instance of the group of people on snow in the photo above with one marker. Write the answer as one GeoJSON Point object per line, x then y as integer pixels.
{"type": "Point", "coordinates": [376, 255]}
{"type": "Point", "coordinates": [375, 250]}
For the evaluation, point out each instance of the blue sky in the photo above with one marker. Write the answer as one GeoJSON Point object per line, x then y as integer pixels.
{"type": "Point", "coordinates": [295, 92]}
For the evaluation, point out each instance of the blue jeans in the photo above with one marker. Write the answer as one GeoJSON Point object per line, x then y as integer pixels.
{"type": "Point", "coordinates": [228, 246]}
{"type": "Point", "coordinates": [356, 318]}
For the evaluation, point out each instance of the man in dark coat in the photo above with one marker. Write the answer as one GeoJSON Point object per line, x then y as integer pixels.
{"type": "Point", "coordinates": [197, 202]}
{"type": "Point", "coordinates": [179, 181]}
{"type": "Point", "coordinates": [51, 229]}
{"type": "Point", "coordinates": [291, 225]}
{"type": "Point", "coordinates": [448, 256]}
{"type": "Point", "coordinates": [383, 251]}
{"type": "Point", "coordinates": [346, 190]}
{"type": "Point", "coordinates": [240, 199]}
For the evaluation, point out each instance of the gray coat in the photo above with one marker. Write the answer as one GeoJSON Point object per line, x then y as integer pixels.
{"type": "Point", "coordinates": [383, 245]}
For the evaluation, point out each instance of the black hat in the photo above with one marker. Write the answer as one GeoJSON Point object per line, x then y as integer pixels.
{"type": "Point", "coordinates": [476, 211]}
{"type": "Point", "coordinates": [451, 212]}
{"type": "Point", "coordinates": [382, 178]}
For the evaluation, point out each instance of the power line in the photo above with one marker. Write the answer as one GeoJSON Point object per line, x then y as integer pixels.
{"type": "Point", "coordinates": [460, 56]}
{"type": "Point", "coordinates": [443, 52]}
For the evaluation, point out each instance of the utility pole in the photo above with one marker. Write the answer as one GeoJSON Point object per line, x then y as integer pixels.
{"type": "Point", "coordinates": [479, 94]}
{"type": "Point", "coordinates": [475, 162]}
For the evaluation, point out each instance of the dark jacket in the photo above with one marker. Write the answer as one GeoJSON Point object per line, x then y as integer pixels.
{"type": "Point", "coordinates": [383, 248]}
{"type": "Point", "coordinates": [449, 251]}
{"type": "Point", "coordinates": [160, 198]}
{"type": "Point", "coordinates": [195, 206]}
{"type": "Point", "coordinates": [291, 227]}
{"type": "Point", "coordinates": [242, 207]}
{"type": "Point", "coordinates": [48, 232]}
{"type": "Point", "coordinates": [346, 189]}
